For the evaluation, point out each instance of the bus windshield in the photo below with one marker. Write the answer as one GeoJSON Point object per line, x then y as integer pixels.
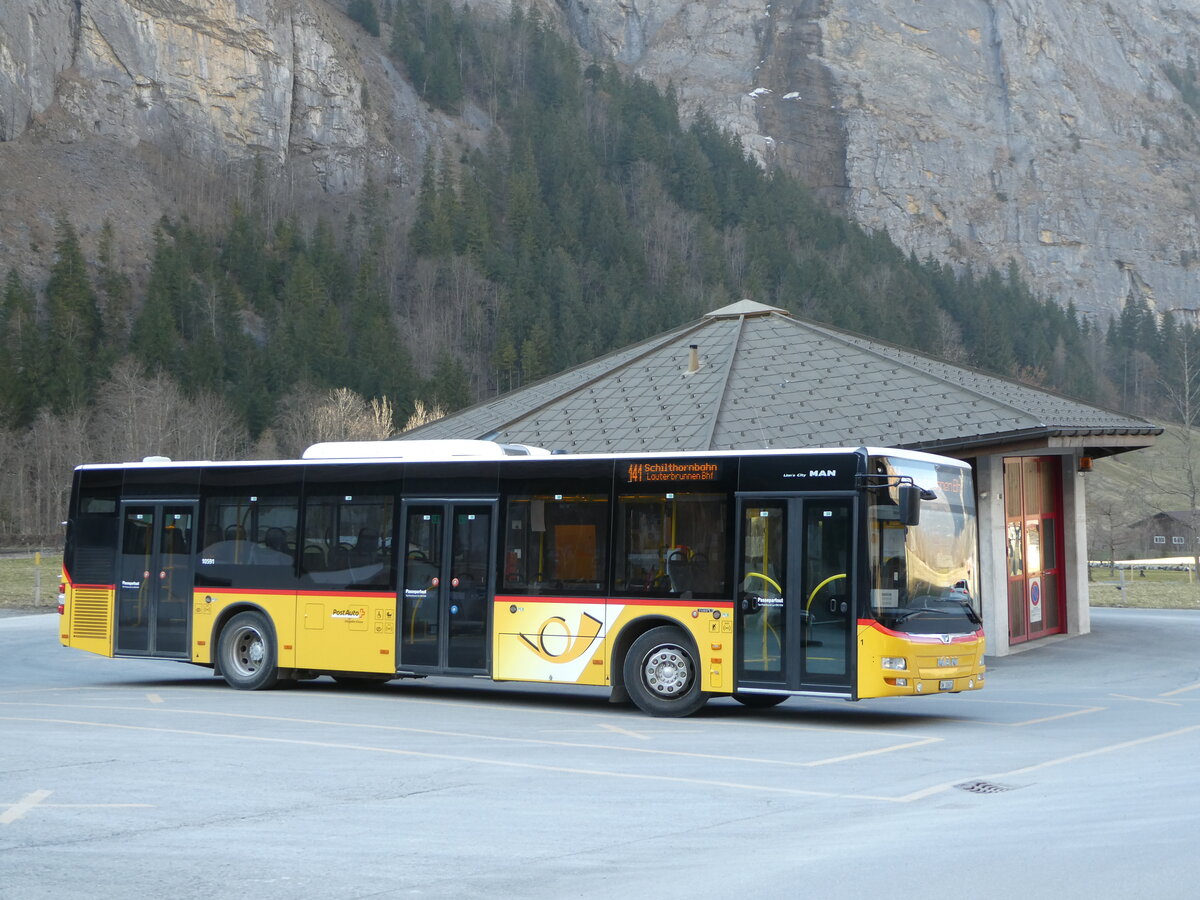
{"type": "Point", "coordinates": [924, 577]}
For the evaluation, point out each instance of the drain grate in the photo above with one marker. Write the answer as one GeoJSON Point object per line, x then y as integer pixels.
{"type": "Point", "coordinates": [983, 787]}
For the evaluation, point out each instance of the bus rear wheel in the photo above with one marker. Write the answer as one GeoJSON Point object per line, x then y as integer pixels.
{"type": "Point", "coordinates": [247, 653]}
{"type": "Point", "coordinates": [662, 674]}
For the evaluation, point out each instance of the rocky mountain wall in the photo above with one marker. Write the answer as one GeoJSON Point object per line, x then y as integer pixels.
{"type": "Point", "coordinates": [113, 109]}
{"type": "Point", "coordinates": [978, 131]}
{"type": "Point", "coordinates": [1053, 133]}
{"type": "Point", "coordinates": [214, 80]}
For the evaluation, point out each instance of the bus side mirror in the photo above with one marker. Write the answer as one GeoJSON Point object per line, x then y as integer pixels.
{"type": "Point", "coordinates": [909, 498]}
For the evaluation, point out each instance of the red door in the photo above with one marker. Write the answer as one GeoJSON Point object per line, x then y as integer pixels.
{"type": "Point", "coordinates": [1033, 536]}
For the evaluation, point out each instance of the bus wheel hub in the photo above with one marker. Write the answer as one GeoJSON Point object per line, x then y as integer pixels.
{"type": "Point", "coordinates": [667, 671]}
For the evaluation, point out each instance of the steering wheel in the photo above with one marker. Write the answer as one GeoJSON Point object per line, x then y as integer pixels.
{"type": "Point", "coordinates": [418, 556]}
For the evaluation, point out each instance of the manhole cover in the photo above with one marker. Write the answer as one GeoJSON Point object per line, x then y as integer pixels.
{"type": "Point", "coordinates": [983, 787]}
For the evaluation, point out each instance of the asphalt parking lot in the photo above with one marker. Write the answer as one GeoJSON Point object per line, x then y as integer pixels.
{"type": "Point", "coordinates": [1073, 774]}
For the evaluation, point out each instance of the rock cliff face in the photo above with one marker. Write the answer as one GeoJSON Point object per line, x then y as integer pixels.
{"type": "Point", "coordinates": [1049, 132]}
{"type": "Point", "coordinates": [976, 131]}
{"type": "Point", "coordinates": [107, 107]}
{"type": "Point", "coordinates": [215, 80]}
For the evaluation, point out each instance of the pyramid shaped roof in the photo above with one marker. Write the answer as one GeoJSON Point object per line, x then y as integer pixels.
{"type": "Point", "coordinates": [760, 377]}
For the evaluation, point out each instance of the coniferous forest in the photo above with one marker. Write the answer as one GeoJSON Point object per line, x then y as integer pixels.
{"type": "Point", "coordinates": [593, 217]}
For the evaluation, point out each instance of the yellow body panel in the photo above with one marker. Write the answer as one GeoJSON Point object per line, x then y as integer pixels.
{"type": "Point", "coordinates": [538, 639]}
{"type": "Point", "coordinates": [87, 620]}
{"type": "Point", "coordinates": [326, 632]}
{"type": "Point", "coordinates": [930, 663]}
{"type": "Point", "coordinates": [566, 640]}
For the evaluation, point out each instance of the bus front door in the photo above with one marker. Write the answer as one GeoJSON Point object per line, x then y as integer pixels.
{"type": "Point", "coordinates": [446, 585]}
{"type": "Point", "coordinates": [155, 578]}
{"type": "Point", "coordinates": [794, 609]}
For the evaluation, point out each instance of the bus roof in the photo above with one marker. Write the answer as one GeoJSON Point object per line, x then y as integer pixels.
{"type": "Point", "coordinates": [464, 450]}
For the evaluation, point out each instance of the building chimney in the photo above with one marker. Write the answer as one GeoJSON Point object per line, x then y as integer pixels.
{"type": "Point", "coordinates": [693, 359]}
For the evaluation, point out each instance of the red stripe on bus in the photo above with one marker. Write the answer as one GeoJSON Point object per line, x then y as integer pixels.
{"type": "Point", "coordinates": [277, 592]}
{"type": "Point", "coordinates": [920, 638]}
{"type": "Point", "coordinates": [617, 601]}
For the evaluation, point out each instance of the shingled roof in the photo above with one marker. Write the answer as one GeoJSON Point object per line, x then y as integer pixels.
{"type": "Point", "coordinates": [760, 377]}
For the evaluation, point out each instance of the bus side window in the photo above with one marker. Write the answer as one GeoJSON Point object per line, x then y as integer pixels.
{"type": "Point", "coordinates": [672, 544]}
{"type": "Point", "coordinates": [556, 543]}
{"type": "Point", "coordinates": [347, 541]}
{"type": "Point", "coordinates": [248, 541]}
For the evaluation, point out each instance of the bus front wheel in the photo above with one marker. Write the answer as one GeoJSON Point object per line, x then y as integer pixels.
{"type": "Point", "coordinates": [247, 653]}
{"type": "Point", "coordinates": [662, 674]}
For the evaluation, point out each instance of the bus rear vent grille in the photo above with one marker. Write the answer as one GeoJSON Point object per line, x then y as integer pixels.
{"type": "Point", "coordinates": [983, 787]}
{"type": "Point", "coordinates": [89, 613]}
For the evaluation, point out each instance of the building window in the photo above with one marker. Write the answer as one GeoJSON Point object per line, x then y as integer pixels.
{"type": "Point", "coordinates": [1178, 540]}
{"type": "Point", "coordinates": [1160, 539]}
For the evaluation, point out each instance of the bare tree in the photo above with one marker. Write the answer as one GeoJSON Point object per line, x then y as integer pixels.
{"type": "Point", "coordinates": [1108, 528]}
{"type": "Point", "coordinates": [141, 415]}
{"type": "Point", "coordinates": [423, 415]}
{"type": "Point", "coordinates": [308, 417]}
{"type": "Point", "coordinates": [51, 449]}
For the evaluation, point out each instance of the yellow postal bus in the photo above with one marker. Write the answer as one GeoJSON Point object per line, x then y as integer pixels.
{"type": "Point", "coordinates": [669, 578]}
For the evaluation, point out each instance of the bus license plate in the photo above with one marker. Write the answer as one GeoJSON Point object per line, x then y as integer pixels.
{"type": "Point", "coordinates": [946, 685]}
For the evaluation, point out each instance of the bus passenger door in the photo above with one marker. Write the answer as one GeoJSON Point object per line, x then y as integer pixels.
{"type": "Point", "coordinates": [795, 614]}
{"type": "Point", "coordinates": [155, 578]}
{"type": "Point", "coordinates": [446, 585]}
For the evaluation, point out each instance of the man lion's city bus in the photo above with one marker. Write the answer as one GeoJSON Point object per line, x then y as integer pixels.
{"type": "Point", "coordinates": [669, 578]}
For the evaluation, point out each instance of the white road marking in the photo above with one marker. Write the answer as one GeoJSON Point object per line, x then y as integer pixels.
{"type": "Point", "coordinates": [1045, 764]}
{"type": "Point", "coordinates": [22, 806]}
{"type": "Point", "coordinates": [1146, 699]}
{"type": "Point", "coordinates": [34, 801]}
{"type": "Point", "coordinates": [453, 757]}
{"type": "Point", "coordinates": [625, 731]}
{"type": "Point", "coordinates": [1190, 687]}
{"type": "Point", "coordinates": [476, 736]}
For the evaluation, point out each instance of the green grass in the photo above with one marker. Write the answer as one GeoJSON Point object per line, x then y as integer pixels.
{"type": "Point", "coordinates": [1142, 482]}
{"type": "Point", "coordinates": [19, 578]}
{"type": "Point", "coordinates": [1154, 590]}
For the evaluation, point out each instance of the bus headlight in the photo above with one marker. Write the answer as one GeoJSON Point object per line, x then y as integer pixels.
{"type": "Point", "coordinates": [895, 662]}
